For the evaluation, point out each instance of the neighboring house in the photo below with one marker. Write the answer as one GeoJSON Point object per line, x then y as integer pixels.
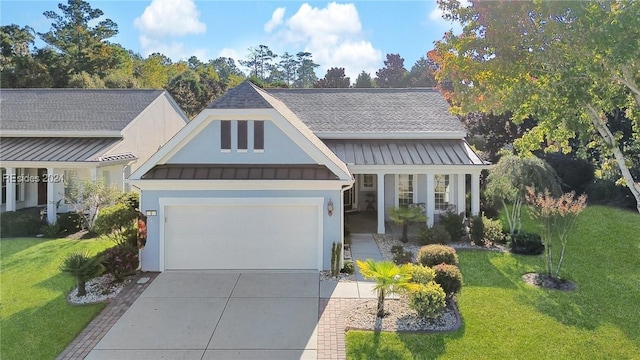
{"type": "Point", "coordinates": [49, 136]}
{"type": "Point", "coordinates": [262, 179]}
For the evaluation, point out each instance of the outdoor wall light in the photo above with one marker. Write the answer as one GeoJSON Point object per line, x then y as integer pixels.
{"type": "Point", "coordinates": [151, 212]}
{"type": "Point", "coordinates": [330, 207]}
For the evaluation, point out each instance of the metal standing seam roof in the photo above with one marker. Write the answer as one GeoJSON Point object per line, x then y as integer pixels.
{"type": "Point", "coordinates": [239, 172]}
{"type": "Point", "coordinates": [72, 109]}
{"type": "Point", "coordinates": [358, 110]}
{"type": "Point", "coordinates": [404, 152]}
{"type": "Point", "coordinates": [64, 149]}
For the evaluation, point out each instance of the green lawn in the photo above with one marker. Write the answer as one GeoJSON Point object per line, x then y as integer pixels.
{"type": "Point", "coordinates": [37, 323]}
{"type": "Point", "coordinates": [503, 318]}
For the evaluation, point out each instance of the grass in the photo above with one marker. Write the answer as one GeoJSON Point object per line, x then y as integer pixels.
{"type": "Point", "coordinates": [37, 322]}
{"type": "Point", "coordinates": [504, 318]}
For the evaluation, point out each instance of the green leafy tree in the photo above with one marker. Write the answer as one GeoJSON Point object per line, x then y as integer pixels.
{"type": "Point", "coordinates": [393, 74]}
{"type": "Point", "coordinates": [335, 78]}
{"type": "Point", "coordinates": [405, 215]}
{"type": "Point", "coordinates": [566, 64]}
{"type": "Point", "coordinates": [363, 80]}
{"type": "Point", "coordinates": [154, 71]}
{"type": "Point", "coordinates": [86, 197]}
{"type": "Point", "coordinates": [259, 60]}
{"type": "Point", "coordinates": [287, 67]}
{"type": "Point", "coordinates": [226, 69]}
{"type": "Point", "coordinates": [390, 279]}
{"type": "Point", "coordinates": [558, 217]}
{"type": "Point", "coordinates": [18, 67]}
{"type": "Point", "coordinates": [82, 267]}
{"type": "Point", "coordinates": [508, 180]}
{"type": "Point", "coordinates": [422, 74]}
{"type": "Point", "coordinates": [306, 70]}
{"type": "Point", "coordinates": [194, 90]}
{"type": "Point", "coordinates": [80, 36]}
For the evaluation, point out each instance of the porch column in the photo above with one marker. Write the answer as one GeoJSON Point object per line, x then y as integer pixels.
{"type": "Point", "coordinates": [10, 182]}
{"type": "Point", "coordinates": [381, 227]}
{"type": "Point", "coordinates": [431, 200]}
{"type": "Point", "coordinates": [460, 194]}
{"type": "Point", "coordinates": [475, 194]}
{"type": "Point", "coordinates": [51, 201]}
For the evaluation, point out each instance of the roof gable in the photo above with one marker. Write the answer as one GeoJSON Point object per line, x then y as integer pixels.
{"type": "Point", "coordinates": [243, 96]}
{"type": "Point", "coordinates": [74, 110]}
{"type": "Point", "coordinates": [367, 111]}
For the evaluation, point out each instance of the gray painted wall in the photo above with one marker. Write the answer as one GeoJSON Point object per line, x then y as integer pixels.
{"type": "Point", "coordinates": [332, 229]}
{"type": "Point", "coordinates": [205, 148]}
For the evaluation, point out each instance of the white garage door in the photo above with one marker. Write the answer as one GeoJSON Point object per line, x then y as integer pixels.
{"type": "Point", "coordinates": [243, 236]}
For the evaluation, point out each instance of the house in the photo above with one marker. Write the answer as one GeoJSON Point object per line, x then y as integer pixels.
{"type": "Point", "coordinates": [261, 179]}
{"type": "Point", "coordinates": [49, 136]}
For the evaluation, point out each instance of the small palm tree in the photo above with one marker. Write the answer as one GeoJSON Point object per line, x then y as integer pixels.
{"type": "Point", "coordinates": [390, 279]}
{"type": "Point", "coordinates": [82, 267]}
{"type": "Point", "coordinates": [405, 215]}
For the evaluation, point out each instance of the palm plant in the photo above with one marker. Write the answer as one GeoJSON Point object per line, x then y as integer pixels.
{"type": "Point", "coordinates": [390, 279]}
{"type": "Point", "coordinates": [82, 267]}
{"type": "Point", "coordinates": [405, 215]}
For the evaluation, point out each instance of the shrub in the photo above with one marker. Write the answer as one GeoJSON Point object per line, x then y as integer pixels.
{"type": "Point", "coordinates": [422, 274]}
{"type": "Point", "coordinates": [126, 236]}
{"type": "Point", "coordinates": [449, 277]}
{"type": "Point", "coordinates": [120, 261]}
{"type": "Point", "coordinates": [429, 300]}
{"type": "Point", "coordinates": [403, 257]}
{"type": "Point", "coordinates": [477, 230]}
{"type": "Point", "coordinates": [14, 224]}
{"type": "Point", "coordinates": [114, 217]}
{"type": "Point", "coordinates": [454, 224]}
{"type": "Point", "coordinates": [69, 222]}
{"type": "Point", "coordinates": [82, 267]}
{"type": "Point", "coordinates": [349, 267]}
{"type": "Point", "coordinates": [51, 230]}
{"type": "Point", "coordinates": [436, 235]}
{"type": "Point", "coordinates": [526, 244]}
{"type": "Point", "coordinates": [131, 199]}
{"type": "Point", "coordinates": [493, 231]}
{"type": "Point", "coordinates": [431, 255]}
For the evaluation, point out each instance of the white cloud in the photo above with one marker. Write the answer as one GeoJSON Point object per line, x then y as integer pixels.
{"type": "Point", "coordinates": [276, 19]}
{"type": "Point", "coordinates": [165, 20]}
{"type": "Point", "coordinates": [334, 36]}
{"type": "Point", "coordinates": [230, 53]}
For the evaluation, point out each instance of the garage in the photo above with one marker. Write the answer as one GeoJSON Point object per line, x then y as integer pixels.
{"type": "Point", "coordinates": [243, 233]}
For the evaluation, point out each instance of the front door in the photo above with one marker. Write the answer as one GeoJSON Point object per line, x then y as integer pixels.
{"type": "Point", "coordinates": [42, 187]}
{"type": "Point", "coordinates": [349, 197]}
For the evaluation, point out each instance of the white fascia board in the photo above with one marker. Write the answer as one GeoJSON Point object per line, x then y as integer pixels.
{"type": "Point", "coordinates": [52, 164]}
{"type": "Point", "coordinates": [23, 133]}
{"type": "Point", "coordinates": [239, 184]}
{"type": "Point", "coordinates": [417, 169]}
{"type": "Point", "coordinates": [416, 135]}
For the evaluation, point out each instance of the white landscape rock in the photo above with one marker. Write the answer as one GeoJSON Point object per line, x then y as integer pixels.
{"type": "Point", "coordinates": [99, 289]}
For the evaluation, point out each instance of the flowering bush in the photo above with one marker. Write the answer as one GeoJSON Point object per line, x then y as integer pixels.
{"type": "Point", "coordinates": [120, 261]}
{"type": "Point", "coordinates": [558, 216]}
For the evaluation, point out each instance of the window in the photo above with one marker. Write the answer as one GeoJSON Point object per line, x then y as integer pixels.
{"type": "Point", "coordinates": [106, 177]}
{"type": "Point", "coordinates": [368, 182]}
{"type": "Point", "coordinates": [442, 192]}
{"type": "Point", "coordinates": [18, 182]}
{"type": "Point", "coordinates": [69, 182]}
{"type": "Point", "coordinates": [405, 190]}
{"type": "Point", "coordinates": [225, 135]}
{"type": "Point", "coordinates": [242, 135]}
{"type": "Point", "coordinates": [4, 186]}
{"type": "Point", "coordinates": [258, 135]}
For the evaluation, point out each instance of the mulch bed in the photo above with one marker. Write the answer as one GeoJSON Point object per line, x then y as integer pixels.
{"type": "Point", "coordinates": [549, 282]}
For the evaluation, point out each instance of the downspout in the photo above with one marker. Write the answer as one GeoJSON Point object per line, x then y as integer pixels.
{"type": "Point", "coordinates": [344, 188]}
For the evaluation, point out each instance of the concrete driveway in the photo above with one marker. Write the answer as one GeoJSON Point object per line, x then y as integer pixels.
{"type": "Point", "coordinates": [218, 315]}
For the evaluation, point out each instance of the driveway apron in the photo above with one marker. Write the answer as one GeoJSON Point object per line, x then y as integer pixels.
{"type": "Point", "coordinates": [218, 315]}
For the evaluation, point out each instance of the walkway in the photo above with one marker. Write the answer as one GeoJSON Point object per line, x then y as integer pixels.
{"type": "Point", "coordinates": [336, 299]}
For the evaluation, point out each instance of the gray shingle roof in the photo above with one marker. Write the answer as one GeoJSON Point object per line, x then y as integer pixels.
{"type": "Point", "coordinates": [55, 148]}
{"type": "Point", "coordinates": [243, 96]}
{"type": "Point", "coordinates": [72, 109]}
{"type": "Point", "coordinates": [370, 110]}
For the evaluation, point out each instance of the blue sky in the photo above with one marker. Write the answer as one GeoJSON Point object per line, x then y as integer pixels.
{"type": "Point", "coordinates": [353, 34]}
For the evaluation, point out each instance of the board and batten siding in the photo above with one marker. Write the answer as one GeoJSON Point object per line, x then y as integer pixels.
{"type": "Point", "coordinates": [205, 148]}
{"type": "Point", "coordinates": [331, 230]}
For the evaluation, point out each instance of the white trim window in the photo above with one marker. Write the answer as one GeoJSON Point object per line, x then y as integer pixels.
{"type": "Point", "coordinates": [442, 191]}
{"type": "Point", "coordinates": [368, 182]}
{"type": "Point", "coordinates": [405, 189]}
